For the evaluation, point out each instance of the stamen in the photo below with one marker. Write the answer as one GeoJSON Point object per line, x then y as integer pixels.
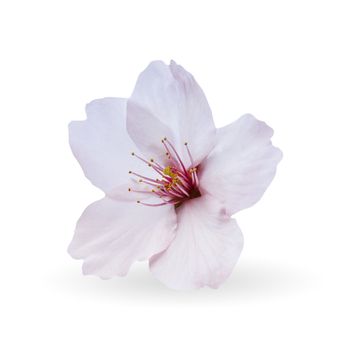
{"type": "Point", "coordinates": [176, 154]}
{"type": "Point", "coordinates": [189, 154]}
{"type": "Point", "coordinates": [185, 181]}
{"type": "Point", "coordinates": [194, 173]}
{"type": "Point", "coordinates": [155, 164]}
{"type": "Point", "coordinates": [143, 177]}
{"type": "Point", "coordinates": [137, 191]}
{"type": "Point", "coordinates": [145, 161]}
{"type": "Point", "coordinates": [175, 193]}
{"type": "Point", "coordinates": [182, 190]}
{"type": "Point", "coordinates": [168, 153]}
{"type": "Point", "coordinates": [176, 183]}
{"type": "Point", "coordinates": [148, 183]}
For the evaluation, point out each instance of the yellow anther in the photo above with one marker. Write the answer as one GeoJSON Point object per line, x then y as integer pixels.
{"type": "Point", "coordinates": [167, 171]}
{"type": "Point", "coordinates": [174, 177]}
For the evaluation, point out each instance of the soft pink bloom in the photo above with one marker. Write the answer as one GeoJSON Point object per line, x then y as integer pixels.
{"type": "Point", "coordinates": [171, 179]}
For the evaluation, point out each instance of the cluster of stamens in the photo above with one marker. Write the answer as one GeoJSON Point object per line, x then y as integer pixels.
{"type": "Point", "coordinates": [175, 183]}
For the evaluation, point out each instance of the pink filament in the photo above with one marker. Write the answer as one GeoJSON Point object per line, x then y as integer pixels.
{"type": "Point", "coordinates": [176, 183]}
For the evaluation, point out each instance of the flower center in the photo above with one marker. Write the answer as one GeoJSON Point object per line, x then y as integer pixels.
{"type": "Point", "coordinates": [174, 183]}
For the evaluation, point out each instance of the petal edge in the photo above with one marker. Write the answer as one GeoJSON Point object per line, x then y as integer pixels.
{"type": "Point", "coordinates": [242, 164]}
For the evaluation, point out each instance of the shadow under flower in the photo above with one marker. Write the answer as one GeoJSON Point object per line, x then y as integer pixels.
{"type": "Point", "coordinates": [249, 281]}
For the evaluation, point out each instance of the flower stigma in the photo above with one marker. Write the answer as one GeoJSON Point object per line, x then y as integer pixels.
{"type": "Point", "coordinates": [174, 183]}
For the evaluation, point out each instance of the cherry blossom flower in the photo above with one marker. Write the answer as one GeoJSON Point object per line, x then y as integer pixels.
{"type": "Point", "coordinates": [171, 180]}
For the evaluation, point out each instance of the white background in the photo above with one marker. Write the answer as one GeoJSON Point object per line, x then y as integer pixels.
{"type": "Point", "coordinates": [287, 62]}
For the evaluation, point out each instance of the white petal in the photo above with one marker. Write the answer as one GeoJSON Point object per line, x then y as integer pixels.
{"type": "Point", "coordinates": [102, 145]}
{"type": "Point", "coordinates": [148, 132]}
{"type": "Point", "coordinates": [110, 235]}
{"type": "Point", "coordinates": [241, 165]}
{"type": "Point", "coordinates": [168, 102]}
{"type": "Point", "coordinates": [205, 249]}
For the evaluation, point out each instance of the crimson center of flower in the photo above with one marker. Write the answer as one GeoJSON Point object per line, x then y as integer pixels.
{"type": "Point", "coordinates": [174, 183]}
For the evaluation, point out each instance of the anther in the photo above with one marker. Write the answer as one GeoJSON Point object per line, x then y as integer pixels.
{"type": "Point", "coordinates": [177, 181]}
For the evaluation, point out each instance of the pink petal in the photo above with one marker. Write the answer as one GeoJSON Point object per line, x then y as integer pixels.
{"type": "Point", "coordinates": [205, 249]}
{"type": "Point", "coordinates": [168, 102]}
{"type": "Point", "coordinates": [241, 165]}
{"type": "Point", "coordinates": [102, 145]}
{"type": "Point", "coordinates": [147, 132]}
{"type": "Point", "coordinates": [110, 235]}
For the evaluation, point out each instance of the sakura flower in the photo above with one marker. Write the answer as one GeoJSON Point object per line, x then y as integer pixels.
{"type": "Point", "coordinates": [172, 181]}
